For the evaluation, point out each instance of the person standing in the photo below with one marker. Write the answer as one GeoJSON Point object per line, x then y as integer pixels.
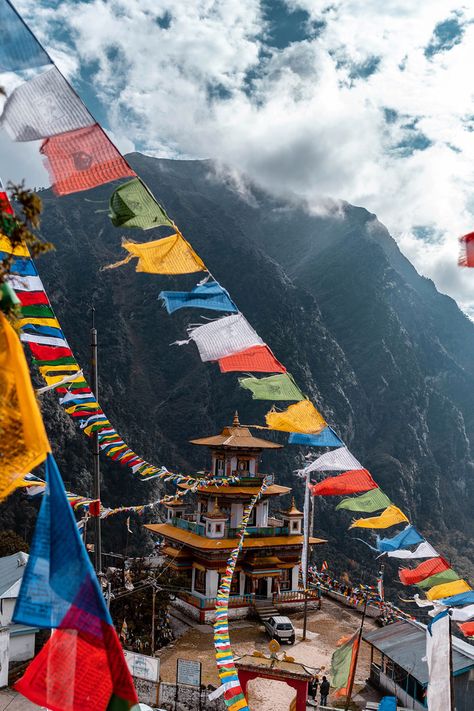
{"type": "Point", "coordinates": [313, 687]}
{"type": "Point", "coordinates": [324, 691]}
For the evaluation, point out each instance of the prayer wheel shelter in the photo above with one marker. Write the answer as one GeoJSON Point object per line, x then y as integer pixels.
{"type": "Point", "coordinates": [199, 543]}
{"type": "Point", "coordinates": [398, 666]}
{"type": "Point", "coordinates": [292, 673]}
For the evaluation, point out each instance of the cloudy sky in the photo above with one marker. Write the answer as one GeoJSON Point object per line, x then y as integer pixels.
{"type": "Point", "coordinates": [370, 101]}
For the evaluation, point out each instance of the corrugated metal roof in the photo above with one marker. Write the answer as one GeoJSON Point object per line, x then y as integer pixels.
{"type": "Point", "coordinates": [12, 568]}
{"type": "Point", "coordinates": [405, 644]}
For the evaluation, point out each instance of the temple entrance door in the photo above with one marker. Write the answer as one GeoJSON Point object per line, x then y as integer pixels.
{"type": "Point", "coordinates": [261, 589]}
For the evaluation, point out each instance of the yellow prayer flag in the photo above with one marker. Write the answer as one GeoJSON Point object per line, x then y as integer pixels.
{"type": "Point", "coordinates": [448, 589]}
{"type": "Point", "coordinates": [389, 517]}
{"type": "Point", "coordinates": [170, 255]}
{"type": "Point", "coordinates": [24, 440]}
{"type": "Point", "coordinates": [300, 417]}
{"type": "Point", "coordinates": [20, 250]}
{"type": "Point", "coordinates": [51, 322]}
{"type": "Point", "coordinates": [70, 368]}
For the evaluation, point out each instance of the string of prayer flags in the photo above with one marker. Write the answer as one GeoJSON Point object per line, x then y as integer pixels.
{"type": "Point", "coordinates": [82, 159]}
{"type": "Point", "coordinates": [223, 337]}
{"type": "Point", "coordinates": [412, 576]}
{"type": "Point", "coordinates": [82, 666]}
{"type": "Point", "coordinates": [424, 550]}
{"type": "Point", "coordinates": [343, 664]}
{"type": "Point", "coordinates": [338, 460]}
{"type": "Point", "coordinates": [466, 598]}
{"type": "Point", "coordinates": [464, 614]}
{"type": "Point", "coordinates": [257, 359]}
{"type": "Point", "coordinates": [169, 255]}
{"type": "Point", "coordinates": [391, 516]}
{"type": "Point", "coordinates": [351, 482]}
{"type": "Point", "coordinates": [326, 438]}
{"type": "Point", "coordinates": [24, 440]}
{"type": "Point", "coordinates": [467, 628]}
{"type": "Point", "coordinates": [274, 387]}
{"type": "Point", "coordinates": [408, 537]}
{"type": "Point", "coordinates": [300, 417]}
{"type": "Point", "coordinates": [438, 654]}
{"type": "Point", "coordinates": [373, 500]}
{"type": "Point", "coordinates": [209, 295]}
{"type": "Point", "coordinates": [43, 106]}
{"type": "Point", "coordinates": [466, 255]}
{"type": "Point", "coordinates": [133, 205]}
{"type": "Point", "coordinates": [19, 49]}
{"type": "Point", "coordinates": [447, 576]}
{"type": "Point", "coordinates": [447, 590]}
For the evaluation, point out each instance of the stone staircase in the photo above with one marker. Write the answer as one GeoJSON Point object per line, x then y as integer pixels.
{"type": "Point", "coordinates": [264, 609]}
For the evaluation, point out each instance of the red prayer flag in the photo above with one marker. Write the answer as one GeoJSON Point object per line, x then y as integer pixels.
{"type": "Point", "coordinates": [82, 159]}
{"type": "Point", "coordinates": [41, 352]}
{"type": "Point", "coordinates": [433, 566]}
{"type": "Point", "coordinates": [467, 628]}
{"type": "Point", "coordinates": [32, 298]}
{"type": "Point", "coordinates": [258, 359]}
{"type": "Point", "coordinates": [466, 255]}
{"type": "Point", "coordinates": [5, 202]}
{"type": "Point", "coordinates": [351, 482]}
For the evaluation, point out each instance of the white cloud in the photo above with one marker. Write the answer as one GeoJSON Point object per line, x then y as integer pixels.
{"type": "Point", "coordinates": [296, 119]}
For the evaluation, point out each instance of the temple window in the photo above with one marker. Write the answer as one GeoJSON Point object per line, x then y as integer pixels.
{"type": "Point", "coordinates": [200, 581]}
{"type": "Point", "coordinates": [285, 579]}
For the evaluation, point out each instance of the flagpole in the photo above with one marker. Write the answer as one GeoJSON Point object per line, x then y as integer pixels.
{"type": "Point", "coordinates": [305, 556]}
{"type": "Point", "coordinates": [95, 451]}
{"type": "Point", "coordinates": [451, 675]}
{"type": "Point", "coordinates": [351, 680]}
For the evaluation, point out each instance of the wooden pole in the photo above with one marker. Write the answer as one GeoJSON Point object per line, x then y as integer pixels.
{"type": "Point", "coordinates": [351, 680]}
{"type": "Point", "coordinates": [451, 668]}
{"type": "Point", "coordinates": [95, 450]}
{"type": "Point", "coordinates": [305, 558]}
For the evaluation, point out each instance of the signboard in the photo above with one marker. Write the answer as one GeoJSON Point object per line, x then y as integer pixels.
{"type": "Point", "coordinates": [188, 672]}
{"type": "Point", "coordinates": [143, 667]}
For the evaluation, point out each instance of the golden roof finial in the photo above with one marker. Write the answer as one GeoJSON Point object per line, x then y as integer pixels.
{"type": "Point", "coordinates": [236, 422]}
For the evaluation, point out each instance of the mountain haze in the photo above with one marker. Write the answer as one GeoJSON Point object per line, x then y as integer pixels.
{"type": "Point", "coordinates": [386, 357]}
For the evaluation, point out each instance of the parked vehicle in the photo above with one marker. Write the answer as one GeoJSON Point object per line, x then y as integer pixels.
{"type": "Point", "coordinates": [280, 628]}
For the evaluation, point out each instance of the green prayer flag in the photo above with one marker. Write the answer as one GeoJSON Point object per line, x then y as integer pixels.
{"type": "Point", "coordinates": [446, 576]}
{"type": "Point", "coordinates": [342, 664]}
{"type": "Point", "coordinates": [132, 205]}
{"type": "Point", "coordinates": [275, 387]}
{"type": "Point", "coordinates": [373, 500]}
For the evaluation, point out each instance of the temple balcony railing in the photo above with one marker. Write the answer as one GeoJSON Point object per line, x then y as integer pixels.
{"type": "Point", "coordinates": [260, 531]}
{"type": "Point", "coordinates": [190, 526]}
{"type": "Point", "coordinates": [209, 603]}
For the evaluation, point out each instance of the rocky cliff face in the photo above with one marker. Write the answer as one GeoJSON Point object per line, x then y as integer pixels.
{"type": "Point", "coordinates": [388, 359]}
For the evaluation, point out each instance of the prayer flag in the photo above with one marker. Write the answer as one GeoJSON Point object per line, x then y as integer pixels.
{"type": "Point", "coordinates": [169, 255]}
{"type": "Point", "coordinates": [133, 205]}
{"type": "Point", "coordinates": [448, 590]}
{"type": "Point", "coordinates": [258, 359]}
{"type": "Point", "coordinates": [326, 438]}
{"type": "Point", "coordinates": [343, 664]}
{"type": "Point", "coordinates": [467, 628]}
{"type": "Point", "coordinates": [338, 460]}
{"type": "Point", "coordinates": [424, 550]}
{"type": "Point", "coordinates": [209, 295]}
{"type": "Point", "coordinates": [464, 614]}
{"type": "Point", "coordinates": [438, 652]}
{"type": "Point", "coordinates": [82, 159]}
{"type": "Point", "coordinates": [301, 417]}
{"type": "Point", "coordinates": [466, 598]}
{"type": "Point", "coordinates": [391, 516]}
{"type": "Point", "coordinates": [81, 667]}
{"type": "Point", "coordinates": [20, 250]}
{"type": "Point", "coordinates": [466, 255]}
{"type": "Point", "coordinates": [274, 387]}
{"type": "Point", "coordinates": [24, 440]}
{"type": "Point", "coordinates": [373, 500]}
{"type": "Point", "coordinates": [422, 571]}
{"type": "Point", "coordinates": [388, 703]}
{"type": "Point", "coordinates": [408, 537]}
{"type": "Point", "coordinates": [350, 482]}
{"type": "Point", "coordinates": [447, 576]}
{"type": "Point", "coordinates": [43, 106]}
{"type": "Point", "coordinates": [223, 337]}
{"type": "Point", "coordinates": [19, 48]}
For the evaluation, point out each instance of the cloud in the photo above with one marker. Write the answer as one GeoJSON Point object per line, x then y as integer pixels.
{"type": "Point", "coordinates": [361, 100]}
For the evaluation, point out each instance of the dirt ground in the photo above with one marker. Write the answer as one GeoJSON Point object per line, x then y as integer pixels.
{"type": "Point", "coordinates": [325, 628]}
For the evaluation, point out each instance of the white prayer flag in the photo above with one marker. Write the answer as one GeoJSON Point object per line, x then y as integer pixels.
{"type": "Point", "coordinates": [43, 340]}
{"type": "Point", "coordinates": [339, 459]}
{"type": "Point", "coordinates": [43, 106]}
{"type": "Point", "coordinates": [463, 614]}
{"type": "Point", "coordinates": [25, 283]}
{"type": "Point", "coordinates": [424, 550]}
{"type": "Point", "coordinates": [438, 659]}
{"type": "Point", "coordinates": [224, 337]}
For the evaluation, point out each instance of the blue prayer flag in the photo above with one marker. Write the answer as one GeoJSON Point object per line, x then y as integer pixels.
{"type": "Point", "coordinates": [408, 537]}
{"type": "Point", "coordinates": [42, 330]}
{"type": "Point", "coordinates": [19, 48]}
{"type": "Point", "coordinates": [465, 598]}
{"type": "Point", "coordinates": [210, 295]}
{"type": "Point", "coordinates": [20, 266]}
{"type": "Point", "coordinates": [326, 438]}
{"type": "Point", "coordinates": [388, 703]}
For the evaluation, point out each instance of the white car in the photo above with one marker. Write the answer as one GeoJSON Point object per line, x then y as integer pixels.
{"type": "Point", "coordinates": [280, 628]}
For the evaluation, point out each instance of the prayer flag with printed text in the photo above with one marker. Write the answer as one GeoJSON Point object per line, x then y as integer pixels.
{"type": "Point", "coordinates": [132, 205]}
{"type": "Point", "coordinates": [411, 576]}
{"type": "Point", "coordinates": [448, 590]}
{"type": "Point", "coordinates": [168, 255]}
{"type": "Point", "coordinates": [257, 359]}
{"type": "Point", "coordinates": [373, 500]}
{"type": "Point", "coordinates": [209, 295]}
{"type": "Point", "coordinates": [391, 516]}
{"type": "Point", "coordinates": [351, 482]}
{"type": "Point", "coordinates": [326, 438]}
{"type": "Point", "coordinates": [274, 387]}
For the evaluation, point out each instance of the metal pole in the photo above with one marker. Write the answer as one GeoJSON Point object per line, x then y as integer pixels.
{"type": "Point", "coordinates": [153, 623]}
{"type": "Point", "coordinates": [95, 450]}
{"type": "Point", "coordinates": [351, 680]}
{"type": "Point", "coordinates": [451, 670]}
{"type": "Point", "coordinates": [305, 557]}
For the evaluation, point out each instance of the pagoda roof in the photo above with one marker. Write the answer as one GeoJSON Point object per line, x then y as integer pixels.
{"type": "Point", "coordinates": [292, 511]}
{"type": "Point", "coordinates": [193, 540]}
{"type": "Point", "coordinates": [236, 436]}
{"type": "Point", "coordinates": [272, 490]}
